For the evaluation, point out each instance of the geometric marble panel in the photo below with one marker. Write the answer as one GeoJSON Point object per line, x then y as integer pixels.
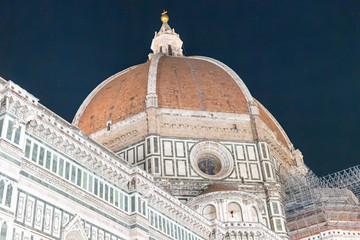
{"type": "Point", "coordinates": [243, 170]}
{"type": "Point", "coordinates": [21, 207]}
{"type": "Point", "coordinates": [57, 223]}
{"type": "Point", "coordinates": [254, 171]}
{"type": "Point", "coordinates": [29, 214]}
{"type": "Point", "coordinates": [251, 152]}
{"type": "Point", "coordinates": [48, 219]}
{"type": "Point", "coordinates": [168, 152]}
{"type": "Point", "coordinates": [39, 213]}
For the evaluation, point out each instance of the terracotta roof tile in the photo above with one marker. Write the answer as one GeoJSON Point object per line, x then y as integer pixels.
{"type": "Point", "coordinates": [184, 83]}
{"type": "Point", "coordinates": [119, 99]}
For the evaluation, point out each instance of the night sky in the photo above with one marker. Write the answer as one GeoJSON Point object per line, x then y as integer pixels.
{"type": "Point", "coordinates": [300, 59]}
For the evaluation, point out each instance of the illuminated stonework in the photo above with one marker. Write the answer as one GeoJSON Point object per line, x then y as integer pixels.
{"type": "Point", "coordinates": [173, 149]}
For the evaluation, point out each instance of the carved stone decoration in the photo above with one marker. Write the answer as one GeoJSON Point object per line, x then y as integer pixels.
{"type": "Point", "coordinates": [74, 230]}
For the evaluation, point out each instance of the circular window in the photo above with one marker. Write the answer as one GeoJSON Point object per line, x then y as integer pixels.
{"type": "Point", "coordinates": [209, 164]}
{"type": "Point", "coordinates": [211, 160]}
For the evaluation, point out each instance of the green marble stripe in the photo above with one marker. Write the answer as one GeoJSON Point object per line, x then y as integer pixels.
{"type": "Point", "coordinates": [8, 177]}
{"type": "Point", "coordinates": [9, 158]}
{"type": "Point", "coordinates": [7, 211]}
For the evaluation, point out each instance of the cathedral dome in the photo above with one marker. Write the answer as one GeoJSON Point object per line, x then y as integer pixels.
{"type": "Point", "coordinates": [186, 83]}
{"type": "Point", "coordinates": [185, 87]}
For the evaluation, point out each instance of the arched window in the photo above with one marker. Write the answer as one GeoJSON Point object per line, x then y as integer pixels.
{"type": "Point", "coordinates": [209, 212]}
{"type": "Point", "coordinates": [2, 186]}
{"type": "Point", "coordinates": [254, 214]}
{"type": "Point", "coordinates": [3, 231]}
{"type": "Point", "coordinates": [234, 212]}
{"type": "Point", "coordinates": [8, 195]}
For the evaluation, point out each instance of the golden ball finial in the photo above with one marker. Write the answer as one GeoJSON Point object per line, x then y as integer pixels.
{"type": "Point", "coordinates": [164, 16]}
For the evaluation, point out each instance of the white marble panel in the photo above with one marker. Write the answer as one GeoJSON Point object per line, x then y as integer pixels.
{"type": "Point", "coordinates": [167, 148]}
{"type": "Point", "coordinates": [21, 208]}
{"type": "Point", "coordinates": [140, 152]}
{"type": "Point", "coordinates": [240, 152]}
{"type": "Point", "coordinates": [39, 213]}
{"type": "Point", "coordinates": [57, 223]}
{"type": "Point", "coordinates": [181, 168]}
{"type": "Point", "coordinates": [254, 171]}
{"type": "Point", "coordinates": [180, 149]}
{"type": "Point", "coordinates": [251, 152]}
{"type": "Point", "coordinates": [169, 167]}
{"type": "Point", "coordinates": [130, 156]}
{"type": "Point", "coordinates": [48, 219]}
{"type": "Point", "coordinates": [243, 170]}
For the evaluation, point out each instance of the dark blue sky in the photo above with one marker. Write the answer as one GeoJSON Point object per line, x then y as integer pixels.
{"type": "Point", "coordinates": [300, 59]}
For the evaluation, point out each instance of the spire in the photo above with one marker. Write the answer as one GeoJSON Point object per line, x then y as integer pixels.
{"type": "Point", "coordinates": [166, 41]}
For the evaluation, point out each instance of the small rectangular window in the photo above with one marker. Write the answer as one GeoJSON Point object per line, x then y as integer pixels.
{"type": "Point", "coordinates": [9, 130]}
{"type": "Point", "coordinates": [54, 163]}
{"type": "Point", "coordinates": [1, 126]}
{"type": "Point", "coordinates": [34, 152]}
{"type": "Point", "coordinates": [61, 167]}
{"type": "Point", "coordinates": [116, 198]}
{"type": "Point", "coordinates": [27, 148]}
{"type": "Point", "coordinates": [90, 186]}
{"type": "Point", "coordinates": [67, 171]}
{"type": "Point", "coordinates": [78, 182]}
{"type": "Point", "coordinates": [160, 223]}
{"type": "Point", "coordinates": [278, 224]}
{"type": "Point", "coordinates": [48, 160]}
{"type": "Point", "coordinates": [155, 144]}
{"type": "Point", "coordinates": [268, 172]}
{"type": "Point", "coordinates": [95, 186]}
{"type": "Point", "coordinates": [85, 180]}
{"type": "Point", "coordinates": [17, 135]}
{"type": "Point", "coordinates": [106, 192]}
{"type": "Point", "coordinates": [156, 165]}
{"type": "Point", "coordinates": [275, 208]}
{"type": "Point", "coordinates": [144, 209]}
{"type": "Point", "coordinates": [73, 173]}
{"type": "Point", "coordinates": [111, 195]}
{"type": "Point", "coordinates": [121, 200]}
{"type": "Point", "coordinates": [126, 199]}
{"type": "Point", "coordinates": [41, 156]}
{"type": "Point", "coordinates": [133, 204]}
{"type": "Point", "coordinates": [149, 165]}
{"type": "Point", "coordinates": [164, 224]}
{"type": "Point", "coordinates": [171, 229]}
{"type": "Point", "coordinates": [148, 146]}
{"type": "Point", "coordinates": [151, 218]}
{"type": "Point", "coordinates": [101, 189]}
{"type": "Point", "coordinates": [263, 150]}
